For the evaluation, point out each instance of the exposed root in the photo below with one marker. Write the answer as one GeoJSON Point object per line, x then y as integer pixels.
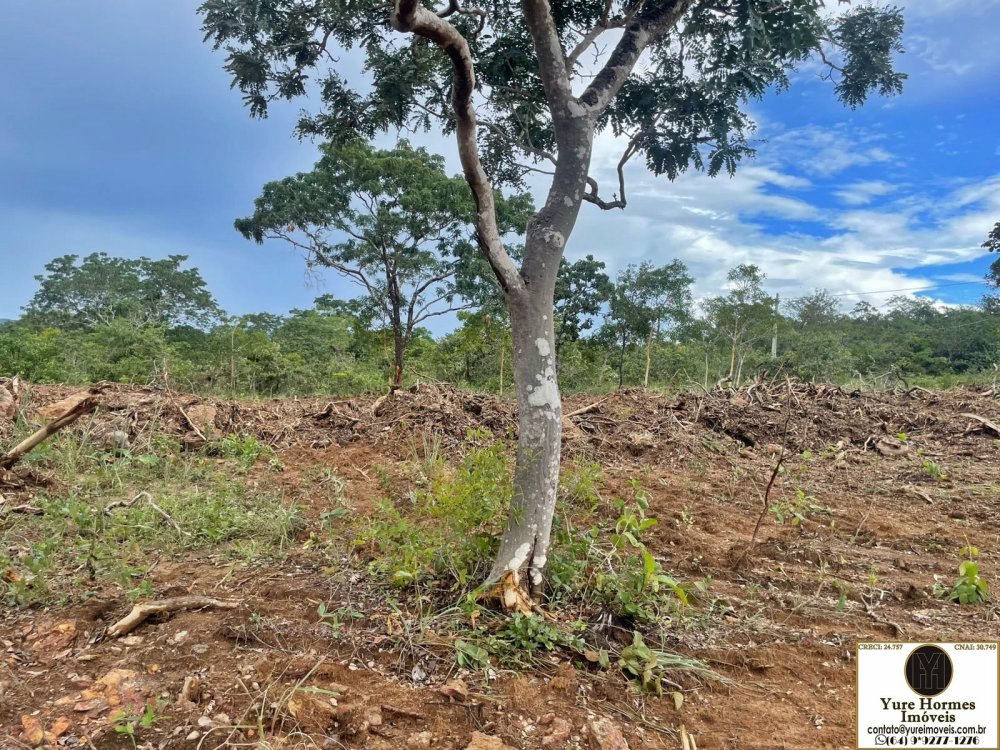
{"type": "Point", "coordinates": [141, 612]}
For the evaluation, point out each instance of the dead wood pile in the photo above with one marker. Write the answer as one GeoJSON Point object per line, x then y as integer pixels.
{"type": "Point", "coordinates": [632, 422]}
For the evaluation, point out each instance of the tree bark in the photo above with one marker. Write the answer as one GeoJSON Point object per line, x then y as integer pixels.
{"type": "Point", "coordinates": [621, 363]}
{"type": "Point", "coordinates": [399, 351]}
{"type": "Point", "coordinates": [525, 542]}
{"type": "Point", "coordinates": [649, 356]}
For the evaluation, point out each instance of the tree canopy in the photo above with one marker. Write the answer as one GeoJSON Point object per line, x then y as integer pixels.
{"type": "Point", "coordinates": [100, 289]}
{"type": "Point", "coordinates": [392, 222]}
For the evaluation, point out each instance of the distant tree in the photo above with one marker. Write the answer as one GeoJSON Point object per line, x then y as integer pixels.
{"type": "Point", "coordinates": [100, 289]}
{"type": "Point", "coordinates": [743, 316]}
{"type": "Point", "coordinates": [993, 275]}
{"type": "Point", "coordinates": [819, 308]}
{"type": "Point", "coordinates": [582, 289]}
{"type": "Point", "coordinates": [668, 298]}
{"type": "Point", "coordinates": [865, 311]}
{"type": "Point", "coordinates": [533, 82]}
{"type": "Point", "coordinates": [392, 222]}
{"type": "Point", "coordinates": [645, 301]}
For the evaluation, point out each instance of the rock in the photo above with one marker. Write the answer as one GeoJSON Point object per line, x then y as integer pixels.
{"type": "Point", "coordinates": [419, 740]}
{"type": "Point", "coordinates": [480, 741]}
{"type": "Point", "coordinates": [192, 736]}
{"type": "Point", "coordinates": [640, 442]}
{"type": "Point", "coordinates": [205, 722]}
{"type": "Point", "coordinates": [558, 734]}
{"type": "Point", "coordinates": [605, 735]}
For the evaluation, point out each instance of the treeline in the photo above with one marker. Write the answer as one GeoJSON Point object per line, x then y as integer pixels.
{"type": "Point", "coordinates": [155, 321]}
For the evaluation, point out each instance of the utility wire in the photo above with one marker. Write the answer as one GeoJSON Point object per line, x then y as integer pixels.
{"type": "Point", "coordinates": [909, 289]}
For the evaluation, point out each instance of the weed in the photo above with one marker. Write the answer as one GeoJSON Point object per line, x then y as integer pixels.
{"type": "Point", "coordinates": [933, 470]}
{"type": "Point", "coordinates": [970, 588]}
{"type": "Point", "coordinates": [798, 509]}
{"type": "Point", "coordinates": [448, 531]}
{"type": "Point", "coordinates": [580, 486]}
{"type": "Point", "coordinates": [246, 449]}
{"type": "Point", "coordinates": [107, 519]}
{"type": "Point", "coordinates": [126, 724]}
{"type": "Point", "coordinates": [333, 619]}
{"type": "Point", "coordinates": [648, 666]}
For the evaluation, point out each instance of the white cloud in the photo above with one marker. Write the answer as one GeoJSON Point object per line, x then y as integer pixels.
{"type": "Point", "coordinates": [828, 151]}
{"type": "Point", "coordinates": [938, 54]}
{"type": "Point", "coordinates": [783, 222]}
{"type": "Point", "coordinates": [863, 192]}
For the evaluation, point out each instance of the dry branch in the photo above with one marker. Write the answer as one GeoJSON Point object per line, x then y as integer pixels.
{"type": "Point", "coordinates": [587, 409]}
{"type": "Point", "coordinates": [991, 426]}
{"type": "Point", "coordinates": [15, 454]}
{"type": "Point", "coordinates": [141, 612]}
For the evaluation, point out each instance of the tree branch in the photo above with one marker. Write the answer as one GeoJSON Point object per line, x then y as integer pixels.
{"type": "Point", "coordinates": [645, 28]}
{"type": "Point", "coordinates": [551, 61]}
{"type": "Point", "coordinates": [620, 201]}
{"type": "Point", "coordinates": [410, 16]}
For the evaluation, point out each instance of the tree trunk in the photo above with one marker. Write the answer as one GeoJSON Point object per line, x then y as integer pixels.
{"type": "Point", "coordinates": [503, 346]}
{"type": "Point", "coordinates": [732, 358]}
{"type": "Point", "coordinates": [649, 352]}
{"type": "Point", "coordinates": [621, 363]}
{"type": "Point", "coordinates": [399, 351]}
{"type": "Point", "coordinates": [536, 476]}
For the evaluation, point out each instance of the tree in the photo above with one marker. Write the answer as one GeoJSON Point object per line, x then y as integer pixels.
{"type": "Point", "coordinates": [102, 290]}
{"type": "Point", "coordinates": [644, 302]}
{"type": "Point", "coordinates": [392, 222]}
{"type": "Point", "coordinates": [504, 86]}
{"type": "Point", "coordinates": [669, 302]}
{"type": "Point", "coordinates": [743, 316]}
{"type": "Point", "coordinates": [582, 289]}
{"type": "Point", "coordinates": [993, 275]}
{"type": "Point", "coordinates": [816, 309]}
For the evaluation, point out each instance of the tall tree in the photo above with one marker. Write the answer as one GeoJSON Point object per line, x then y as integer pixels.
{"type": "Point", "coordinates": [669, 301]}
{"type": "Point", "coordinates": [392, 222]}
{"type": "Point", "coordinates": [529, 82]}
{"type": "Point", "coordinates": [743, 316]}
{"type": "Point", "coordinates": [582, 289]}
{"type": "Point", "coordinates": [100, 290]}
{"type": "Point", "coordinates": [992, 244]}
{"type": "Point", "coordinates": [645, 302]}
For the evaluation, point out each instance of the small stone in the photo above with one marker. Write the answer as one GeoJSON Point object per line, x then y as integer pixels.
{"type": "Point", "coordinates": [419, 740]}
{"type": "Point", "coordinates": [199, 648]}
{"type": "Point", "coordinates": [132, 640]}
{"type": "Point", "coordinates": [204, 722]}
{"type": "Point", "coordinates": [480, 741]}
{"type": "Point", "coordinates": [193, 735]}
{"type": "Point", "coordinates": [559, 735]}
{"type": "Point", "coordinates": [178, 638]}
{"type": "Point", "coordinates": [605, 735]}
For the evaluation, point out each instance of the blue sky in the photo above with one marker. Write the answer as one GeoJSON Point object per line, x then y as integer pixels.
{"type": "Point", "coordinates": [120, 133]}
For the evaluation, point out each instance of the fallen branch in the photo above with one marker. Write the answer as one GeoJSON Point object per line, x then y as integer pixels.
{"type": "Point", "coordinates": [141, 612]}
{"type": "Point", "coordinates": [991, 426]}
{"type": "Point", "coordinates": [149, 501]}
{"type": "Point", "coordinates": [586, 409]}
{"type": "Point", "coordinates": [15, 454]}
{"type": "Point", "coordinates": [190, 421]}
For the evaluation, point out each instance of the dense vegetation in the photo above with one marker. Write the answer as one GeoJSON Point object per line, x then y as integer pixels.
{"type": "Point", "coordinates": [104, 318]}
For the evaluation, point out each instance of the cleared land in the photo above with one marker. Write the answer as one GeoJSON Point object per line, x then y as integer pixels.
{"type": "Point", "coordinates": [316, 518]}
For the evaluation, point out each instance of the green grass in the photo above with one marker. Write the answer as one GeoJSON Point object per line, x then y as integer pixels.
{"type": "Point", "coordinates": [106, 518]}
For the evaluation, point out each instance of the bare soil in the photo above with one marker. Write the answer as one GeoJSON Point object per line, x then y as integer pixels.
{"type": "Point", "coordinates": [897, 483]}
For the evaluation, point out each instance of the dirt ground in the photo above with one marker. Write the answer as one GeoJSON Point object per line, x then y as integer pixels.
{"type": "Point", "coordinates": [889, 487]}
